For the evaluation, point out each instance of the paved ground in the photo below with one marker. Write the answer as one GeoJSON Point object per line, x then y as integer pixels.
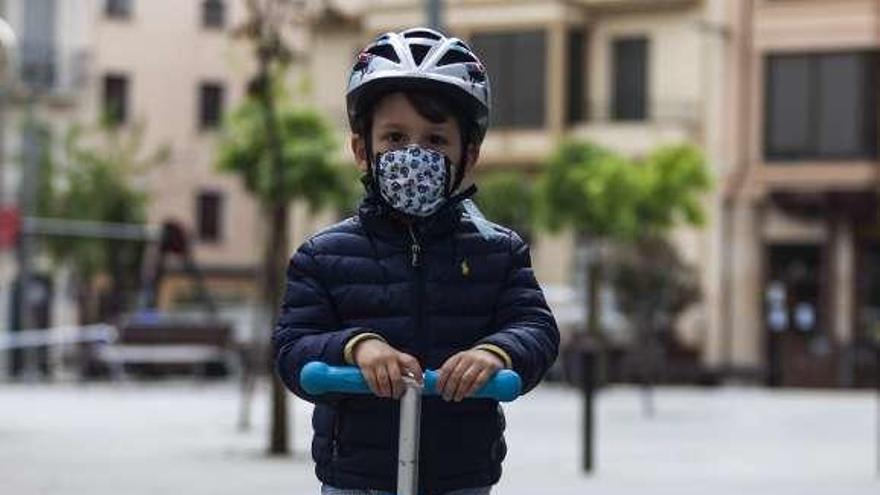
{"type": "Point", "coordinates": [179, 438]}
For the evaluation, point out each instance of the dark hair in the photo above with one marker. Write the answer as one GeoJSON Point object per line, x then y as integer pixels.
{"type": "Point", "coordinates": [433, 106]}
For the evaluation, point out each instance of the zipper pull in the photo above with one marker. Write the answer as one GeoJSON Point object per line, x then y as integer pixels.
{"type": "Point", "coordinates": [415, 249]}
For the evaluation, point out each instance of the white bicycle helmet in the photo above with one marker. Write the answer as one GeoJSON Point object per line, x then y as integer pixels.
{"type": "Point", "coordinates": [420, 58]}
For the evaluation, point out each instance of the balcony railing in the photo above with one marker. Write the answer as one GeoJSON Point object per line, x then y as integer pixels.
{"type": "Point", "coordinates": [46, 69]}
{"type": "Point", "coordinates": [681, 112]}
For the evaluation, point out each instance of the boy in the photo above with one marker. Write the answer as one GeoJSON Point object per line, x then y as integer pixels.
{"type": "Point", "coordinates": [414, 281]}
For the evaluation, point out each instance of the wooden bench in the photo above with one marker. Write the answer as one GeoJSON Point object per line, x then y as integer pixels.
{"type": "Point", "coordinates": [170, 346]}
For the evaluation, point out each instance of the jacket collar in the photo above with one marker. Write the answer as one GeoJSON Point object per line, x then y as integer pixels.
{"type": "Point", "coordinates": [377, 216]}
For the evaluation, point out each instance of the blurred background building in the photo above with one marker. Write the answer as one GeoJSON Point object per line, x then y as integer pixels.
{"type": "Point", "coordinates": [780, 95]}
{"type": "Point", "coordinates": [802, 248]}
{"type": "Point", "coordinates": [171, 68]}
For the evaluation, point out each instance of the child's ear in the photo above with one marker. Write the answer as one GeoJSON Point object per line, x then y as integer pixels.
{"type": "Point", "coordinates": [472, 154]}
{"type": "Point", "coordinates": [359, 150]}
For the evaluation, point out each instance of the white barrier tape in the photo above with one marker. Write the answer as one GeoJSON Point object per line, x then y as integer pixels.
{"type": "Point", "coordinates": [49, 337]}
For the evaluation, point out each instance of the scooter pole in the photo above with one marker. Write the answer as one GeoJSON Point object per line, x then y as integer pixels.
{"type": "Point", "coordinates": [408, 440]}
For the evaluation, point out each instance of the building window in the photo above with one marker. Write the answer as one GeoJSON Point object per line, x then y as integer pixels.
{"type": "Point", "coordinates": [118, 9]}
{"type": "Point", "coordinates": [38, 50]}
{"type": "Point", "coordinates": [821, 106]}
{"type": "Point", "coordinates": [210, 105]}
{"type": "Point", "coordinates": [576, 91]}
{"type": "Point", "coordinates": [517, 72]}
{"type": "Point", "coordinates": [213, 14]}
{"type": "Point", "coordinates": [209, 215]}
{"type": "Point", "coordinates": [630, 79]}
{"type": "Point", "coordinates": [115, 99]}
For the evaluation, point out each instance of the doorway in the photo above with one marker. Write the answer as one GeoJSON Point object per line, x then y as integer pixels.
{"type": "Point", "coordinates": [800, 348]}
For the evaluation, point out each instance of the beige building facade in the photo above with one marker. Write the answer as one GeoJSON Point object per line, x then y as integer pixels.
{"type": "Point", "coordinates": [803, 131]}
{"type": "Point", "coordinates": [168, 64]}
{"type": "Point", "coordinates": [172, 68]}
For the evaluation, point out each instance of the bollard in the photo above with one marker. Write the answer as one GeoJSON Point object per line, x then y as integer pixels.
{"type": "Point", "coordinates": [588, 381]}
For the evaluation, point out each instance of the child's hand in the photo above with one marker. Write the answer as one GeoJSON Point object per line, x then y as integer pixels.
{"type": "Point", "coordinates": [383, 365]}
{"type": "Point", "coordinates": [464, 373]}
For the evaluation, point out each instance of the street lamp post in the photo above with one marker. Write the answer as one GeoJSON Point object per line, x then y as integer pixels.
{"type": "Point", "coordinates": [434, 11]}
{"type": "Point", "coordinates": [8, 70]}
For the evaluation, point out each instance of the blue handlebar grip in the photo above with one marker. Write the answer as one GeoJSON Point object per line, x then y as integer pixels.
{"type": "Point", "coordinates": [505, 386]}
{"type": "Point", "coordinates": [319, 378]}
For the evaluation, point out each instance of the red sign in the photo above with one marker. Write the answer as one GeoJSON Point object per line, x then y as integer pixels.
{"type": "Point", "coordinates": [10, 226]}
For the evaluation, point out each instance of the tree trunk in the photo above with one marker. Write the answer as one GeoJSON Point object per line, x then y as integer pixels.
{"type": "Point", "coordinates": [276, 251]}
{"type": "Point", "coordinates": [595, 335]}
{"type": "Point", "coordinates": [274, 271]}
{"type": "Point", "coordinates": [594, 289]}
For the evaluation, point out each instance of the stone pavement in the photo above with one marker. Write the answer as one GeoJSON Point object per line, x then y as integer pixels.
{"type": "Point", "coordinates": [180, 438]}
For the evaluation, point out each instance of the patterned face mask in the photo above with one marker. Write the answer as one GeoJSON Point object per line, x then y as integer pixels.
{"type": "Point", "coordinates": [413, 180]}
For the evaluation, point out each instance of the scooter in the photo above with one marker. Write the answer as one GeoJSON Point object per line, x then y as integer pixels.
{"type": "Point", "coordinates": [318, 378]}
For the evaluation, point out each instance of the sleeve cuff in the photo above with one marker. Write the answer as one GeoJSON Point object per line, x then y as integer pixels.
{"type": "Point", "coordinates": [348, 351]}
{"type": "Point", "coordinates": [501, 353]}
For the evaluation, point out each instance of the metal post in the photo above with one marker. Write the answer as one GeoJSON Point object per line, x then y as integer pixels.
{"type": "Point", "coordinates": [588, 365]}
{"type": "Point", "coordinates": [877, 372]}
{"type": "Point", "coordinates": [408, 446]}
{"type": "Point", "coordinates": [27, 201]}
{"type": "Point", "coordinates": [434, 11]}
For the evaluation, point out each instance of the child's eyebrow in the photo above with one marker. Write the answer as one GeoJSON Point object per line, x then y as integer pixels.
{"type": "Point", "coordinates": [390, 125]}
{"type": "Point", "coordinates": [444, 128]}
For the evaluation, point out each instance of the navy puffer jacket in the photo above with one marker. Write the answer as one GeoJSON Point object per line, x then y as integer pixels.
{"type": "Point", "coordinates": [432, 290]}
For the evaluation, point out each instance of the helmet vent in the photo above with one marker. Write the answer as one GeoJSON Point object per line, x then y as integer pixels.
{"type": "Point", "coordinates": [456, 57]}
{"type": "Point", "coordinates": [419, 52]}
{"type": "Point", "coordinates": [384, 51]}
{"type": "Point", "coordinates": [421, 34]}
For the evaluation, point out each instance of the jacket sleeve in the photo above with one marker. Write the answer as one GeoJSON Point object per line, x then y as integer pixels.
{"type": "Point", "coordinates": [308, 328]}
{"type": "Point", "coordinates": [527, 330]}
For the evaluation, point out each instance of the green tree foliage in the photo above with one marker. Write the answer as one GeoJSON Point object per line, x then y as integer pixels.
{"type": "Point", "coordinates": [97, 183]}
{"type": "Point", "coordinates": [607, 198]}
{"type": "Point", "coordinates": [309, 171]}
{"type": "Point", "coordinates": [507, 198]}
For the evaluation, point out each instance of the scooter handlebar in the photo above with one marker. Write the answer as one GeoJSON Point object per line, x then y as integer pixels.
{"type": "Point", "coordinates": [318, 378]}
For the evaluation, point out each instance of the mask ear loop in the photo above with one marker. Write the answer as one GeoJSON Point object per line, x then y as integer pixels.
{"type": "Point", "coordinates": [459, 177]}
{"type": "Point", "coordinates": [369, 178]}
{"type": "Point", "coordinates": [449, 187]}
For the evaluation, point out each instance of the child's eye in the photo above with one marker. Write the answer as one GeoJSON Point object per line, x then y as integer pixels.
{"type": "Point", "coordinates": [438, 140]}
{"type": "Point", "coordinates": [394, 137]}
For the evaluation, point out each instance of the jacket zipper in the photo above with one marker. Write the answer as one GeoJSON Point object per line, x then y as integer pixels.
{"type": "Point", "coordinates": [423, 340]}
{"type": "Point", "coordinates": [334, 447]}
{"type": "Point", "coordinates": [416, 263]}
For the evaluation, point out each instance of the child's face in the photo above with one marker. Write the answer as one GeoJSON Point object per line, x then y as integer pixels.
{"type": "Point", "coordinates": [397, 124]}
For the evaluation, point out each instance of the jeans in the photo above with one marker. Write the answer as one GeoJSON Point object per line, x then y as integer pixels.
{"type": "Point", "coordinates": [329, 490]}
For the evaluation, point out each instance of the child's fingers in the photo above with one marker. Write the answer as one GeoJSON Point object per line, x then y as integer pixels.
{"type": "Point", "coordinates": [481, 380]}
{"type": "Point", "coordinates": [370, 377]}
{"type": "Point", "coordinates": [468, 380]}
{"type": "Point", "coordinates": [410, 364]}
{"type": "Point", "coordinates": [451, 385]}
{"type": "Point", "coordinates": [394, 378]}
{"type": "Point", "coordinates": [382, 381]}
{"type": "Point", "coordinates": [445, 371]}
